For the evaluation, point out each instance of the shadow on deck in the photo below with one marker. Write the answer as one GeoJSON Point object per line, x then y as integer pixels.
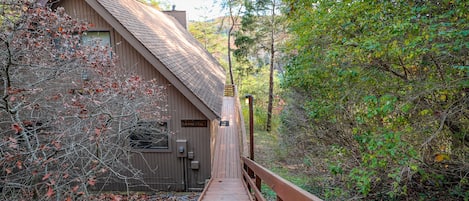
{"type": "Point", "coordinates": [226, 182]}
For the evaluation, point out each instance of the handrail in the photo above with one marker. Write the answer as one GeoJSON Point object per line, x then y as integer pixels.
{"type": "Point", "coordinates": [284, 189]}
{"type": "Point", "coordinates": [241, 127]}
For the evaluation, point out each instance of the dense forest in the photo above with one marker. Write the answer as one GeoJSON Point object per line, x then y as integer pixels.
{"type": "Point", "coordinates": [373, 94]}
{"type": "Point", "coordinates": [354, 99]}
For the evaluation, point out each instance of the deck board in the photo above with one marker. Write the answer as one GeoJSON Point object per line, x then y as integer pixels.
{"type": "Point", "coordinates": [226, 183]}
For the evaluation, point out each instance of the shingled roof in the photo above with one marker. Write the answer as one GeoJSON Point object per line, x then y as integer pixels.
{"type": "Point", "coordinates": [195, 70]}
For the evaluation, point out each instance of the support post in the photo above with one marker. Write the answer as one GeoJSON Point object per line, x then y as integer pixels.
{"type": "Point", "coordinates": [250, 100]}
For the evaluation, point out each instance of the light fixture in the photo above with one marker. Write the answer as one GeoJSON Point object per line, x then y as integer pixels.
{"type": "Point", "coordinates": [248, 98]}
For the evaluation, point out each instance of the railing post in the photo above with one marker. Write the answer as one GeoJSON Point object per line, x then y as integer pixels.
{"type": "Point", "coordinates": [284, 189]}
{"type": "Point", "coordinates": [249, 101]}
{"type": "Point", "coordinates": [259, 183]}
{"type": "Point", "coordinates": [249, 171]}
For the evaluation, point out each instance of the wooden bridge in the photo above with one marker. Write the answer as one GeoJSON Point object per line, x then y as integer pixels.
{"type": "Point", "coordinates": [234, 175]}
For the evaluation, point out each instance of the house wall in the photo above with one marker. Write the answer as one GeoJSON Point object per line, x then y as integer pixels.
{"type": "Point", "coordinates": [162, 170]}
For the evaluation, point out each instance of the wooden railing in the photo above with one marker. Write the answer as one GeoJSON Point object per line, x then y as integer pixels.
{"type": "Point", "coordinates": [243, 143]}
{"type": "Point", "coordinates": [254, 174]}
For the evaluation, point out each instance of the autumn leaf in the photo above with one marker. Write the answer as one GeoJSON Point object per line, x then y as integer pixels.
{"type": "Point", "coordinates": [28, 123]}
{"type": "Point", "coordinates": [46, 176]}
{"type": "Point", "coordinates": [114, 85]}
{"type": "Point", "coordinates": [57, 145]}
{"type": "Point", "coordinates": [50, 192]}
{"type": "Point", "coordinates": [149, 91]}
{"type": "Point", "coordinates": [97, 131]}
{"type": "Point", "coordinates": [441, 157]}
{"type": "Point", "coordinates": [19, 164]}
{"type": "Point", "coordinates": [116, 197]}
{"type": "Point", "coordinates": [91, 181]}
{"type": "Point", "coordinates": [13, 143]}
{"type": "Point", "coordinates": [75, 188]}
{"type": "Point", "coordinates": [14, 91]}
{"type": "Point", "coordinates": [17, 128]}
{"type": "Point", "coordinates": [103, 170]}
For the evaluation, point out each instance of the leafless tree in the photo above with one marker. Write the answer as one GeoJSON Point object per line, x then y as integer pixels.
{"type": "Point", "coordinates": [65, 112]}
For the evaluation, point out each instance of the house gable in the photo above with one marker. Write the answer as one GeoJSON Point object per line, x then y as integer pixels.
{"type": "Point", "coordinates": [135, 57]}
{"type": "Point", "coordinates": [170, 49]}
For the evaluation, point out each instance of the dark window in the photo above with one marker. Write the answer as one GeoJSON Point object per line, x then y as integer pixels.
{"type": "Point", "coordinates": [150, 135]}
{"type": "Point", "coordinates": [92, 38]}
{"type": "Point", "coordinates": [97, 38]}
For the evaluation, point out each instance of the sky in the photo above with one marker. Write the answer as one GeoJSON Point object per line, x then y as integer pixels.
{"type": "Point", "coordinates": [198, 10]}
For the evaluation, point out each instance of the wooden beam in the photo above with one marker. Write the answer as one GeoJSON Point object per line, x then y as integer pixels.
{"type": "Point", "coordinates": [257, 193]}
{"type": "Point", "coordinates": [285, 190]}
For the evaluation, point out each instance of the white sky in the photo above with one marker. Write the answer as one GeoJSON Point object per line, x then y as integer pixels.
{"type": "Point", "coordinates": [198, 9]}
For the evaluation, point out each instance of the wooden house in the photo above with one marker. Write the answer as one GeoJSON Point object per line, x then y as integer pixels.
{"type": "Point", "coordinates": [154, 44]}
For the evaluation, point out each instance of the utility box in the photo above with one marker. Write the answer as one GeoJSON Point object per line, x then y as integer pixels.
{"type": "Point", "coordinates": [181, 148]}
{"type": "Point", "coordinates": [195, 165]}
{"type": "Point", "coordinates": [190, 155]}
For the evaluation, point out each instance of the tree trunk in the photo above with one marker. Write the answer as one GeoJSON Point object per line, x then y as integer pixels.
{"type": "Point", "coordinates": [230, 65]}
{"type": "Point", "coordinates": [271, 76]}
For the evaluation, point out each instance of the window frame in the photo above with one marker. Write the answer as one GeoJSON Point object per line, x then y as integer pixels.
{"type": "Point", "coordinates": [85, 34]}
{"type": "Point", "coordinates": [142, 149]}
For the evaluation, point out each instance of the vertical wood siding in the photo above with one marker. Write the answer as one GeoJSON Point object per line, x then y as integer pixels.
{"type": "Point", "coordinates": [162, 170]}
{"type": "Point", "coordinates": [81, 10]}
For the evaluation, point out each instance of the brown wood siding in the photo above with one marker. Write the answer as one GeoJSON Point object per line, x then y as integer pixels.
{"type": "Point", "coordinates": [81, 10]}
{"type": "Point", "coordinates": [162, 170]}
{"type": "Point", "coordinates": [213, 134]}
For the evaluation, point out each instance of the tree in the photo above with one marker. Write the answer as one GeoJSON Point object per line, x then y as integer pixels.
{"type": "Point", "coordinates": [66, 114]}
{"type": "Point", "coordinates": [383, 87]}
{"type": "Point", "coordinates": [259, 36]}
{"type": "Point", "coordinates": [208, 34]}
{"type": "Point", "coordinates": [153, 3]}
{"type": "Point", "coordinates": [232, 5]}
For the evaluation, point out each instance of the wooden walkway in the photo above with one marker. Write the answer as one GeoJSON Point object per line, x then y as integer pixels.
{"type": "Point", "coordinates": [226, 182]}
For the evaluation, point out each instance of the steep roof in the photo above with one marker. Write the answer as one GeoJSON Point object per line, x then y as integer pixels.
{"type": "Point", "coordinates": [189, 67]}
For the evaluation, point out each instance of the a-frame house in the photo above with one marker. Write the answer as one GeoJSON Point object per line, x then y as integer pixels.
{"type": "Point", "coordinates": [154, 44]}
